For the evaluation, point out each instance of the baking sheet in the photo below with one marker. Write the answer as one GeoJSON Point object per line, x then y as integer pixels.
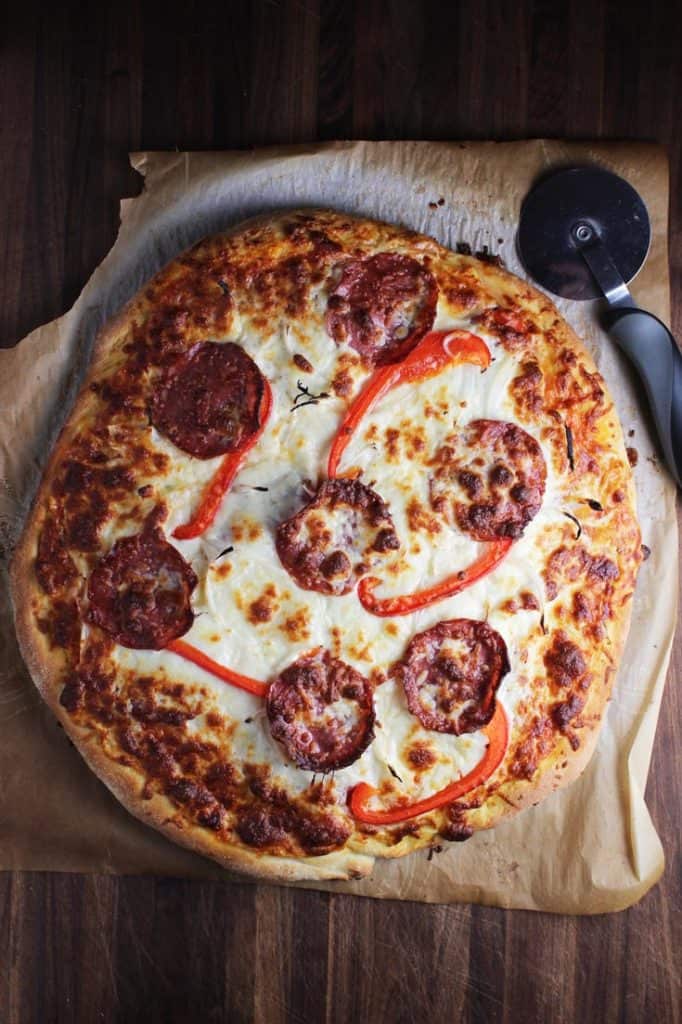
{"type": "Point", "coordinates": [588, 849]}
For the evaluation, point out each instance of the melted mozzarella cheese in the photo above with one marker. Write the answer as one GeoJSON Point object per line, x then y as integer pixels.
{"type": "Point", "coordinates": [253, 617]}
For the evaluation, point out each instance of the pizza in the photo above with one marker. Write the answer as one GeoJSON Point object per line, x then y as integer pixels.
{"type": "Point", "coordinates": [334, 556]}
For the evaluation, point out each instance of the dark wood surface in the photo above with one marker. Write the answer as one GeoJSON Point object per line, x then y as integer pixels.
{"type": "Point", "coordinates": [79, 88]}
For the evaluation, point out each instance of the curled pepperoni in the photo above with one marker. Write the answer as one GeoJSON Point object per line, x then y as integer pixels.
{"type": "Point", "coordinates": [140, 591]}
{"type": "Point", "coordinates": [382, 306]}
{"type": "Point", "coordinates": [491, 477]}
{"type": "Point", "coordinates": [321, 711]}
{"type": "Point", "coordinates": [208, 401]}
{"type": "Point", "coordinates": [344, 532]}
{"type": "Point", "coordinates": [450, 674]}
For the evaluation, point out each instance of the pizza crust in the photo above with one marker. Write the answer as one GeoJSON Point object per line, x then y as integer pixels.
{"type": "Point", "coordinates": [555, 767]}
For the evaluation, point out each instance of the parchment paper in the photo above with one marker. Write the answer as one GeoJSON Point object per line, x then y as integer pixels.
{"type": "Point", "coordinates": [588, 849]}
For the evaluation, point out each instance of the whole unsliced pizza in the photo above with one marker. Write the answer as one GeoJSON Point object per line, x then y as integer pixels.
{"type": "Point", "coordinates": [333, 558]}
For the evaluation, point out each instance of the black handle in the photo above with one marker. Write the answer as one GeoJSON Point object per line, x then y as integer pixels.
{"type": "Point", "coordinates": [654, 352]}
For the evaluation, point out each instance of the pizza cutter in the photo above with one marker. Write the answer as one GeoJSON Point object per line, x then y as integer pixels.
{"type": "Point", "coordinates": [584, 234]}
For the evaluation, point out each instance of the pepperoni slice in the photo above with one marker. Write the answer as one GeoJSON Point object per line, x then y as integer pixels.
{"type": "Point", "coordinates": [450, 674]}
{"type": "Point", "coordinates": [344, 532]}
{"type": "Point", "coordinates": [322, 712]}
{"type": "Point", "coordinates": [140, 591]}
{"type": "Point", "coordinates": [382, 306]}
{"type": "Point", "coordinates": [491, 477]}
{"type": "Point", "coordinates": [208, 401]}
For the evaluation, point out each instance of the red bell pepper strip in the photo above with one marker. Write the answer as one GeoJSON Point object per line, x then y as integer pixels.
{"type": "Point", "coordinates": [497, 731]}
{"type": "Point", "coordinates": [493, 554]}
{"type": "Point", "coordinates": [222, 479]}
{"type": "Point", "coordinates": [227, 675]}
{"type": "Point", "coordinates": [433, 353]}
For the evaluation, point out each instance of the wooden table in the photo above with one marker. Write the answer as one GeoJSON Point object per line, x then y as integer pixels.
{"type": "Point", "coordinates": [78, 90]}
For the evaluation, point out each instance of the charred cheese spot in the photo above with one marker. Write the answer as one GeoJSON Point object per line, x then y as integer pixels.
{"type": "Point", "coordinates": [188, 303]}
{"type": "Point", "coordinates": [391, 443]}
{"type": "Point", "coordinates": [54, 566]}
{"type": "Point", "coordinates": [420, 757]}
{"type": "Point", "coordinates": [283, 285]}
{"type": "Point", "coordinates": [360, 649]}
{"type": "Point", "coordinates": [525, 601]}
{"type": "Point", "coordinates": [593, 579]}
{"type": "Point", "coordinates": [303, 229]}
{"type": "Point", "coordinates": [431, 411]}
{"type": "Point", "coordinates": [565, 712]}
{"type": "Point", "coordinates": [456, 830]}
{"type": "Point", "coordinates": [342, 384]}
{"type": "Point", "coordinates": [62, 626]}
{"type": "Point", "coordinates": [297, 626]}
{"type": "Point", "coordinates": [421, 520]}
{"type": "Point", "coordinates": [462, 296]}
{"type": "Point", "coordinates": [302, 363]}
{"type": "Point", "coordinates": [264, 607]}
{"type": "Point", "coordinates": [414, 440]}
{"type": "Point", "coordinates": [536, 743]}
{"type": "Point", "coordinates": [577, 389]}
{"type": "Point", "coordinates": [528, 390]}
{"type": "Point", "coordinates": [336, 637]}
{"type": "Point", "coordinates": [513, 329]}
{"type": "Point", "coordinates": [349, 372]}
{"type": "Point", "coordinates": [247, 529]}
{"type": "Point", "coordinates": [264, 827]}
{"type": "Point", "coordinates": [377, 677]}
{"type": "Point", "coordinates": [565, 662]}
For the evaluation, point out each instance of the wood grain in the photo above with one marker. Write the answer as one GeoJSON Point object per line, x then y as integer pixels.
{"type": "Point", "coordinates": [80, 86]}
